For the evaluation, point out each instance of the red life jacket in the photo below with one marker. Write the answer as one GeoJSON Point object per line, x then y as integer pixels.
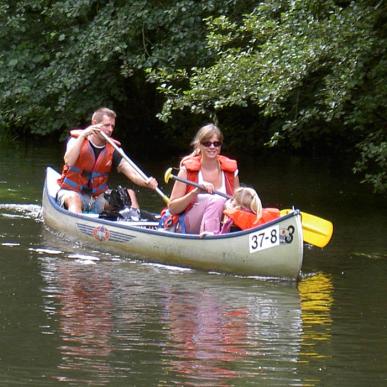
{"type": "Point", "coordinates": [88, 175]}
{"type": "Point", "coordinates": [228, 166]}
{"type": "Point", "coordinates": [245, 219]}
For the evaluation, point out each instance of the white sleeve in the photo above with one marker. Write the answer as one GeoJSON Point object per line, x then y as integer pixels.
{"type": "Point", "coordinates": [70, 143]}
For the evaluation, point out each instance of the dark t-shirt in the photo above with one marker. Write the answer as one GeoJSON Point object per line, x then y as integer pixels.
{"type": "Point", "coordinates": [116, 160]}
{"type": "Point", "coordinates": [116, 156]}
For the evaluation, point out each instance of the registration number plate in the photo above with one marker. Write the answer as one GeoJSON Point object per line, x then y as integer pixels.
{"type": "Point", "coordinates": [264, 239]}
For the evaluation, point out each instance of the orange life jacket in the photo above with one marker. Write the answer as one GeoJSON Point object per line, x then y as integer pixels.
{"type": "Point", "coordinates": [245, 219]}
{"type": "Point", "coordinates": [88, 175]}
{"type": "Point", "coordinates": [228, 166]}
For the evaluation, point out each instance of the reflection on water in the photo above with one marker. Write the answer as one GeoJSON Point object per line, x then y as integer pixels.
{"type": "Point", "coordinates": [147, 324]}
{"type": "Point", "coordinates": [316, 300]}
{"type": "Point", "coordinates": [212, 338]}
{"type": "Point", "coordinates": [85, 320]}
{"type": "Point", "coordinates": [316, 294]}
{"type": "Point", "coordinates": [119, 320]}
{"type": "Point", "coordinates": [115, 320]}
{"type": "Point", "coordinates": [203, 335]}
{"type": "Point", "coordinates": [78, 297]}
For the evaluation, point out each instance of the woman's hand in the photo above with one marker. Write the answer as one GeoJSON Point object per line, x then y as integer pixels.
{"type": "Point", "coordinates": [208, 187]}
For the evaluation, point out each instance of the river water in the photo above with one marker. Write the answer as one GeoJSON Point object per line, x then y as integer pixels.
{"type": "Point", "coordinates": [76, 316]}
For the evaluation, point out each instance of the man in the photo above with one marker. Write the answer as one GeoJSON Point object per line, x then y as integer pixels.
{"type": "Point", "coordinates": [89, 159]}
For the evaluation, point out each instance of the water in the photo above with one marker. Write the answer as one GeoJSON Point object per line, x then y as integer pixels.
{"type": "Point", "coordinates": [75, 316]}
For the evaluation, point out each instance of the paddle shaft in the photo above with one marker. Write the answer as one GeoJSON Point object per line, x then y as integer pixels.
{"type": "Point", "coordinates": [189, 182]}
{"type": "Point", "coordinates": [132, 164]}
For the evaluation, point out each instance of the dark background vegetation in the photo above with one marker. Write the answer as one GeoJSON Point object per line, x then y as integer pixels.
{"type": "Point", "coordinates": [298, 76]}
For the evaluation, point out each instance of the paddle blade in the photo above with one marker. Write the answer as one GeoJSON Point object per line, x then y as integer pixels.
{"type": "Point", "coordinates": [317, 231]}
{"type": "Point", "coordinates": [167, 175]}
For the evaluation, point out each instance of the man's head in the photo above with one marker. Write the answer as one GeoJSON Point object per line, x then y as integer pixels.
{"type": "Point", "coordinates": [103, 111]}
{"type": "Point", "coordinates": [106, 118]}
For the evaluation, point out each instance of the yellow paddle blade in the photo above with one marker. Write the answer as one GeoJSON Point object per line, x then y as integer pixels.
{"type": "Point", "coordinates": [167, 175]}
{"type": "Point", "coordinates": [317, 231]}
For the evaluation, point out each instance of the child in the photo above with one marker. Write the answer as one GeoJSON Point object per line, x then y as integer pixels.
{"type": "Point", "coordinates": [245, 211]}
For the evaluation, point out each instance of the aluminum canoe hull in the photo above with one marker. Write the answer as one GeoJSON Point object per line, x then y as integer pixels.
{"type": "Point", "coordinates": [274, 249]}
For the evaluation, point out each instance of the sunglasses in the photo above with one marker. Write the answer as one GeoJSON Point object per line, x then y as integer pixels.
{"type": "Point", "coordinates": [208, 144]}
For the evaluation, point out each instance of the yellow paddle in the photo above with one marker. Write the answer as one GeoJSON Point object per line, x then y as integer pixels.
{"type": "Point", "coordinates": [316, 231]}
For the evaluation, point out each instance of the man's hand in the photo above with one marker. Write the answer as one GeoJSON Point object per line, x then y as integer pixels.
{"type": "Point", "coordinates": [92, 129]}
{"type": "Point", "coordinates": [151, 183]}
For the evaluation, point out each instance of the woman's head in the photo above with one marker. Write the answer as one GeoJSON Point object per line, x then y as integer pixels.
{"type": "Point", "coordinates": [247, 198]}
{"type": "Point", "coordinates": [207, 136]}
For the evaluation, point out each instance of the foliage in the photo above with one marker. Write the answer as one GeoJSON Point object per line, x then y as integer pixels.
{"type": "Point", "coordinates": [59, 60]}
{"type": "Point", "coordinates": [315, 69]}
{"type": "Point", "coordinates": [312, 72]}
{"type": "Point", "coordinates": [373, 160]}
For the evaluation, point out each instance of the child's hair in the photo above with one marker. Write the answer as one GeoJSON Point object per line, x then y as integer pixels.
{"type": "Point", "coordinates": [245, 197]}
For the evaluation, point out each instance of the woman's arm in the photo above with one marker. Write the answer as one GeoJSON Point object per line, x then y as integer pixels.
{"type": "Point", "coordinates": [236, 182]}
{"type": "Point", "coordinates": [179, 200]}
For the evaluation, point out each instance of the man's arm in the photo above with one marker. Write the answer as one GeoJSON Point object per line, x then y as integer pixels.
{"type": "Point", "coordinates": [74, 145]}
{"type": "Point", "coordinates": [125, 168]}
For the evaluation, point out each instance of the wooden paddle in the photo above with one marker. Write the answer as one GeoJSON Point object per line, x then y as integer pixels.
{"type": "Point", "coordinates": [132, 164]}
{"type": "Point", "coordinates": [316, 231]}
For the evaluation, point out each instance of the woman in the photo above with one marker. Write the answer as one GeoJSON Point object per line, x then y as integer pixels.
{"type": "Point", "coordinates": [199, 209]}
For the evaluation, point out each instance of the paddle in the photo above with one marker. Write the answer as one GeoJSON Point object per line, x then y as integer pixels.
{"type": "Point", "coordinates": [316, 231]}
{"type": "Point", "coordinates": [168, 175]}
{"type": "Point", "coordinates": [132, 164]}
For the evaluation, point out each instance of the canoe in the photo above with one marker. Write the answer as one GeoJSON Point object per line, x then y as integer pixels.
{"type": "Point", "coordinates": [274, 249]}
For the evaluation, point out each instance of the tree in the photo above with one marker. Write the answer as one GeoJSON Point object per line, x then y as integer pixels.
{"type": "Point", "coordinates": [315, 69]}
{"type": "Point", "coordinates": [59, 60]}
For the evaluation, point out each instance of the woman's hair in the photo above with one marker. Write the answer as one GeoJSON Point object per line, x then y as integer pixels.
{"type": "Point", "coordinates": [101, 112]}
{"type": "Point", "coordinates": [247, 198]}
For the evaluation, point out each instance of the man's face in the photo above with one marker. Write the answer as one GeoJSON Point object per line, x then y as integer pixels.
{"type": "Point", "coordinates": [107, 125]}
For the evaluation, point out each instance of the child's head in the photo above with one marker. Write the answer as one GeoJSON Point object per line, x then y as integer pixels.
{"type": "Point", "coordinates": [247, 198]}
